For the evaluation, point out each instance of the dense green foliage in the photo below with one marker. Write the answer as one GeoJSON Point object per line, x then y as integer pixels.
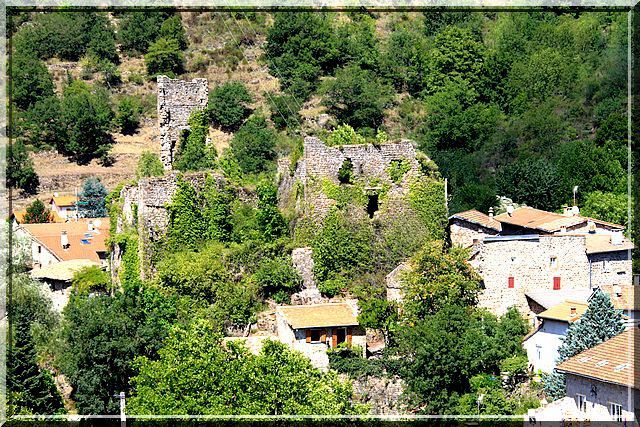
{"type": "Point", "coordinates": [127, 116]}
{"type": "Point", "coordinates": [101, 335]}
{"type": "Point", "coordinates": [231, 380]}
{"type": "Point", "coordinates": [30, 388]}
{"type": "Point", "coordinates": [137, 30]}
{"type": "Point", "coordinates": [253, 146]}
{"type": "Point", "coordinates": [91, 200]}
{"type": "Point", "coordinates": [149, 165]}
{"type": "Point", "coordinates": [193, 153]}
{"type": "Point", "coordinates": [20, 172]}
{"type": "Point", "coordinates": [228, 105]}
{"type": "Point", "coordinates": [164, 57]}
{"type": "Point", "coordinates": [91, 279]}
{"type": "Point", "coordinates": [37, 213]}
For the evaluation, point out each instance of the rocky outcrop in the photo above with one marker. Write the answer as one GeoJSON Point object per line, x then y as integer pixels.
{"type": "Point", "coordinates": [382, 394]}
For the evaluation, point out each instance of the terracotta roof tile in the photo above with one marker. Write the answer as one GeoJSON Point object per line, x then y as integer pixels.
{"type": "Point", "coordinates": [82, 243]}
{"type": "Point", "coordinates": [562, 311]}
{"type": "Point", "coordinates": [600, 243]}
{"type": "Point", "coordinates": [63, 270]}
{"type": "Point", "coordinates": [19, 216]}
{"type": "Point", "coordinates": [477, 217]}
{"type": "Point", "coordinates": [539, 220]}
{"type": "Point", "coordinates": [614, 361]}
{"type": "Point", "coordinates": [318, 315]}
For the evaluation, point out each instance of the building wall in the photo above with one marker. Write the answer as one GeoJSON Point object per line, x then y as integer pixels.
{"type": "Point", "coordinates": [464, 233]}
{"type": "Point", "coordinates": [542, 346]}
{"type": "Point", "coordinates": [528, 261]}
{"type": "Point", "coordinates": [176, 100]}
{"type": "Point", "coordinates": [598, 406]}
{"type": "Point", "coordinates": [40, 257]}
{"type": "Point", "coordinates": [618, 271]}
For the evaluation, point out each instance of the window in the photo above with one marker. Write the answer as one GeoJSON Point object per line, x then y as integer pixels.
{"type": "Point", "coordinates": [553, 262]}
{"type": "Point", "coordinates": [581, 400]}
{"type": "Point", "coordinates": [606, 266]}
{"type": "Point", "coordinates": [616, 411]}
{"type": "Point", "coordinates": [556, 283]}
{"type": "Point", "coordinates": [539, 351]}
{"type": "Point", "coordinates": [315, 335]}
{"type": "Point", "coordinates": [511, 282]}
{"type": "Point", "coordinates": [39, 249]}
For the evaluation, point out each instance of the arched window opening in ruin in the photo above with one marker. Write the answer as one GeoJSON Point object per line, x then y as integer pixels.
{"type": "Point", "coordinates": [345, 174]}
{"type": "Point", "coordinates": [372, 204]}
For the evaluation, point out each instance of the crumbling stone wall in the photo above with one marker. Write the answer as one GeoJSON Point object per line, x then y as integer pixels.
{"type": "Point", "coordinates": [176, 100]}
{"type": "Point", "coordinates": [466, 234]}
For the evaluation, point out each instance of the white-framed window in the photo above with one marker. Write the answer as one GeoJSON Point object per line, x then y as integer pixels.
{"type": "Point", "coordinates": [616, 411]}
{"type": "Point", "coordinates": [539, 351]}
{"type": "Point", "coordinates": [553, 262]}
{"type": "Point", "coordinates": [581, 400]}
{"type": "Point", "coordinates": [606, 266]}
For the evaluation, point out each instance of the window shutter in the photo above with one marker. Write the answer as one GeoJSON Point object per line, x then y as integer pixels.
{"type": "Point", "coordinates": [334, 338]}
{"type": "Point", "coordinates": [308, 335]}
{"type": "Point", "coordinates": [323, 336]}
{"type": "Point", "coordinates": [349, 336]}
{"type": "Point", "coordinates": [511, 282]}
{"type": "Point", "coordinates": [556, 283]}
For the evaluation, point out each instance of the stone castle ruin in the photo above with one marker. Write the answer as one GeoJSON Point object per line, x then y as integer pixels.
{"type": "Point", "coordinates": [176, 100]}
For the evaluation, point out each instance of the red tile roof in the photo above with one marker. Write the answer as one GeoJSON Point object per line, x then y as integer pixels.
{"type": "Point", "coordinates": [600, 243]}
{"type": "Point", "coordinates": [614, 361]}
{"type": "Point", "coordinates": [477, 217]}
{"type": "Point", "coordinates": [548, 222]}
{"type": "Point", "coordinates": [64, 200]}
{"type": "Point", "coordinates": [77, 231]}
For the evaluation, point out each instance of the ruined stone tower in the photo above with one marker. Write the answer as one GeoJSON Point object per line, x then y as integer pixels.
{"type": "Point", "coordinates": [176, 100]}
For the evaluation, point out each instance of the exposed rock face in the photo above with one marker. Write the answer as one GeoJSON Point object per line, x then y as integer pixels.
{"type": "Point", "coordinates": [381, 393]}
{"type": "Point", "coordinates": [393, 282]}
{"type": "Point", "coordinates": [176, 100]}
{"type": "Point", "coordinates": [302, 259]}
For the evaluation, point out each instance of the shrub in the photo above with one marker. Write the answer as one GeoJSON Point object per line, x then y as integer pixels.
{"type": "Point", "coordinates": [333, 286]}
{"type": "Point", "coordinates": [128, 115]}
{"type": "Point", "coordinates": [284, 111]}
{"type": "Point", "coordinates": [277, 277]}
{"type": "Point", "coordinates": [344, 135]}
{"type": "Point", "coordinates": [91, 279]}
{"type": "Point", "coordinates": [228, 105]}
{"type": "Point", "coordinates": [164, 57]}
{"type": "Point", "coordinates": [253, 146]}
{"type": "Point", "coordinates": [345, 173]}
{"type": "Point", "coordinates": [397, 169]}
{"type": "Point", "coordinates": [149, 165]}
{"type": "Point", "coordinates": [172, 29]}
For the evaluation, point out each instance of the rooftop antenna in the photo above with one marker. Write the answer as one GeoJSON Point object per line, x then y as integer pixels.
{"type": "Point", "coordinates": [575, 190]}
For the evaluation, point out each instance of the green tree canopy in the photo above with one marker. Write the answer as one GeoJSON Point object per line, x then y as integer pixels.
{"type": "Point", "coordinates": [37, 213]}
{"type": "Point", "coordinates": [231, 380]}
{"type": "Point", "coordinates": [149, 165]}
{"type": "Point", "coordinates": [138, 30]}
{"type": "Point", "coordinates": [228, 105]}
{"type": "Point", "coordinates": [193, 153]}
{"type": "Point", "coordinates": [20, 172]}
{"type": "Point", "coordinates": [164, 57]}
{"type": "Point", "coordinates": [531, 181]}
{"type": "Point", "coordinates": [253, 146]}
{"type": "Point", "coordinates": [91, 200]}
{"type": "Point", "coordinates": [30, 80]}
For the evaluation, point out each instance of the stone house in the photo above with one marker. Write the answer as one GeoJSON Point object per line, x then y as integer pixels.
{"type": "Point", "coordinates": [56, 280]}
{"type": "Point", "coordinates": [52, 243]}
{"type": "Point", "coordinates": [543, 342]}
{"type": "Point", "coordinates": [528, 250]}
{"type": "Point", "coordinates": [312, 329]}
{"type": "Point", "coordinates": [64, 207]}
{"type": "Point", "coordinates": [604, 381]}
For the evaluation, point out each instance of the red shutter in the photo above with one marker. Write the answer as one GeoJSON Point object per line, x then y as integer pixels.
{"type": "Point", "coordinates": [349, 336]}
{"type": "Point", "coordinates": [556, 283]}
{"type": "Point", "coordinates": [511, 282]}
{"type": "Point", "coordinates": [308, 335]}
{"type": "Point", "coordinates": [334, 338]}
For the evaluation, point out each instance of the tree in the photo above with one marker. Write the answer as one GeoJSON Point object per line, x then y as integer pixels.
{"type": "Point", "coordinates": [270, 219]}
{"type": "Point", "coordinates": [253, 146]}
{"type": "Point", "coordinates": [231, 380]}
{"type": "Point", "coordinates": [138, 30]}
{"type": "Point", "coordinates": [534, 182]}
{"type": "Point", "coordinates": [20, 172]}
{"type": "Point", "coordinates": [87, 115]}
{"type": "Point", "coordinates": [610, 207]}
{"type": "Point", "coordinates": [41, 126]}
{"type": "Point", "coordinates": [357, 97]}
{"type": "Point", "coordinates": [404, 61]}
{"type": "Point", "coordinates": [228, 105]}
{"type": "Point", "coordinates": [164, 57]}
{"type": "Point", "coordinates": [600, 322]}
{"type": "Point", "coordinates": [277, 278]}
{"type": "Point", "coordinates": [37, 213]}
{"type": "Point", "coordinates": [193, 153]}
{"type": "Point", "coordinates": [30, 80]}
{"type": "Point", "coordinates": [284, 112]}
{"type": "Point", "coordinates": [91, 279]}
{"type": "Point", "coordinates": [31, 389]}
{"type": "Point", "coordinates": [344, 135]}
{"type": "Point", "coordinates": [127, 116]}
{"type": "Point", "coordinates": [101, 335]}
{"type": "Point", "coordinates": [438, 279]}
{"type": "Point", "coordinates": [172, 29]}
{"type": "Point", "coordinates": [149, 165]}
{"type": "Point", "coordinates": [91, 200]}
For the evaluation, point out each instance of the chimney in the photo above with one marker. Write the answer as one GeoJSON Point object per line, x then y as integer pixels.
{"type": "Point", "coordinates": [574, 313]}
{"type": "Point", "coordinates": [64, 240]}
{"type": "Point", "coordinates": [616, 238]}
{"type": "Point", "coordinates": [566, 211]}
{"type": "Point", "coordinates": [90, 225]}
{"type": "Point", "coordinates": [575, 210]}
{"type": "Point", "coordinates": [491, 212]}
{"type": "Point", "coordinates": [591, 226]}
{"type": "Point", "coordinates": [510, 210]}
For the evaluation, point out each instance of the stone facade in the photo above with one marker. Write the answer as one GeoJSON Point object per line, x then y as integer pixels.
{"type": "Point", "coordinates": [466, 234]}
{"type": "Point", "coordinates": [176, 100]}
{"type": "Point", "coordinates": [534, 262]}
{"type": "Point", "coordinates": [598, 404]}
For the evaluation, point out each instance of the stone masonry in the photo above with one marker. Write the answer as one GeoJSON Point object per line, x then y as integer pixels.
{"type": "Point", "coordinates": [176, 100]}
